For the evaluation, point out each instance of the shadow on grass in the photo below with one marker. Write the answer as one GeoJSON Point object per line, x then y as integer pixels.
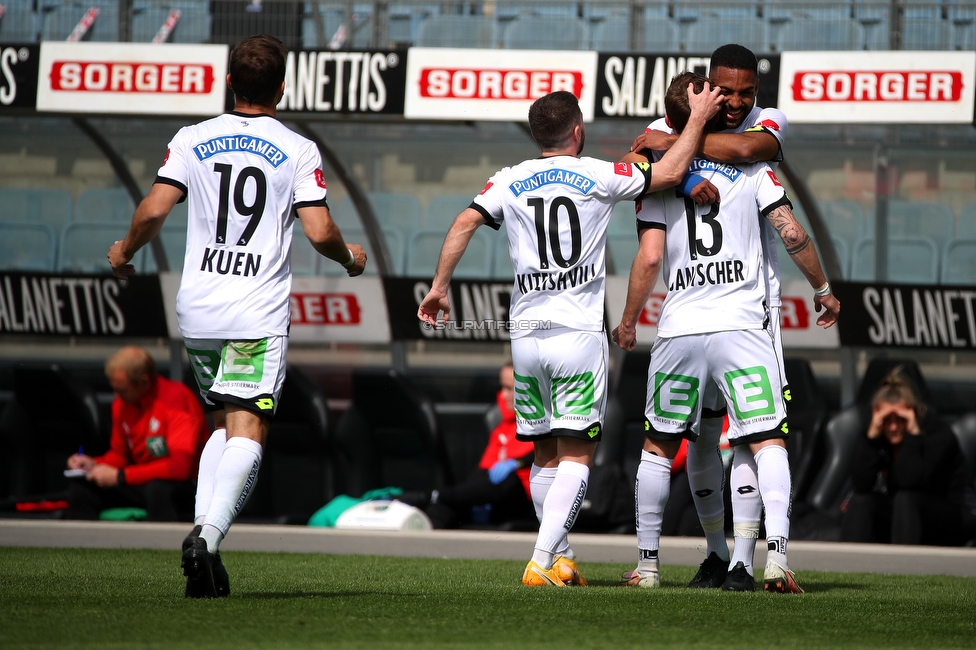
{"type": "Point", "coordinates": [282, 595]}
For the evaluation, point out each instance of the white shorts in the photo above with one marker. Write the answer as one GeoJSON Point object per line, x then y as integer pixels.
{"type": "Point", "coordinates": [560, 384]}
{"type": "Point", "coordinates": [688, 373]}
{"type": "Point", "coordinates": [249, 374]}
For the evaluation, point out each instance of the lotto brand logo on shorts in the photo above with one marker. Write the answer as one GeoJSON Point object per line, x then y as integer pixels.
{"type": "Point", "coordinates": [124, 77]}
{"type": "Point", "coordinates": [675, 396]}
{"type": "Point", "coordinates": [265, 403]}
{"type": "Point", "coordinates": [877, 86]}
{"type": "Point", "coordinates": [553, 177]}
{"type": "Point", "coordinates": [448, 83]}
{"type": "Point", "coordinates": [240, 144]}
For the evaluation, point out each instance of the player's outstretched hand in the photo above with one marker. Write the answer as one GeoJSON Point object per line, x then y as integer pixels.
{"type": "Point", "coordinates": [651, 139]}
{"type": "Point", "coordinates": [120, 263]}
{"type": "Point", "coordinates": [434, 302]}
{"type": "Point", "coordinates": [831, 307]}
{"type": "Point", "coordinates": [704, 193]}
{"type": "Point", "coordinates": [707, 103]}
{"type": "Point", "coordinates": [625, 337]}
{"type": "Point", "coordinates": [359, 254]}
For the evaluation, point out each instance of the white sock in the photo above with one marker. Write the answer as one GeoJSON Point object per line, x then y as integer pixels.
{"type": "Point", "coordinates": [652, 492]}
{"type": "Point", "coordinates": [540, 480]}
{"type": "Point", "coordinates": [560, 509]}
{"type": "Point", "coordinates": [773, 469]}
{"type": "Point", "coordinates": [746, 507]}
{"type": "Point", "coordinates": [234, 479]}
{"type": "Point", "coordinates": [209, 459]}
{"type": "Point", "coordinates": [706, 474]}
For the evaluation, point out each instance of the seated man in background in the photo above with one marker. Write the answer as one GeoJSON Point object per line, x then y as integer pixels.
{"type": "Point", "coordinates": [158, 433]}
{"type": "Point", "coordinates": [909, 474]}
{"type": "Point", "coordinates": [501, 480]}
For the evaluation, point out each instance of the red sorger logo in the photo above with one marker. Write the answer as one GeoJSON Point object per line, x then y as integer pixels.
{"type": "Point", "coordinates": [166, 159]}
{"type": "Point", "coordinates": [622, 169]}
{"type": "Point", "coordinates": [769, 124]}
{"type": "Point", "coordinates": [325, 309]}
{"type": "Point", "coordinates": [320, 179]}
{"type": "Point", "coordinates": [773, 178]}
{"type": "Point", "coordinates": [487, 187]}
{"type": "Point", "coordinates": [652, 310]}
{"type": "Point", "coordinates": [125, 77]}
{"type": "Point", "coordinates": [794, 314]}
{"type": "Point", "coordinates": [877, 86]}
{"type": "Point", "coordinates": [448, 83]}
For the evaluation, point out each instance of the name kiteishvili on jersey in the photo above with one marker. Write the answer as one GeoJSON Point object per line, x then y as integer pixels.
{"type": "Point", "coordinates": [556, 280]}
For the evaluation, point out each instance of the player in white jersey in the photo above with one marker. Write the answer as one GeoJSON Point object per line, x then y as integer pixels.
{"type": "Point", "coordinates": [245, 175]}
{"type": "Point", "coordinates": [713, 336]}
{"type": "Point", "coordinates": [752, 134]}
{"type": "Point", "coordinates": [557, 209]}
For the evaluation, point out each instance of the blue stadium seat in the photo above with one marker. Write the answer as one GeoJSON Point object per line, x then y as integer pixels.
{"type": "Point", "coordinates": [173, 236]}
{"type": "Point", "coordinates": [425, 247]}
{"type": "Point", "coordinates": [966, 226]}
{"type": "Point", "coordinates": [912, 260]}
{"type": "Point", "coordinates": [149, 15]}
{"type": "Point", "coordinates": [530, 32]}
{"type": "Point", "coordinates": [660, 34]}
{"type": "Point", "coordinates": [105, 204]}
{"type": "Point", "coordinates": [843, 251]}
{"type": "Point", "coordinates": [779, 10]}
{"type": "Point", "coordinates": [19, 23]}
{"type": "Point", "coordinates": [820, 34]}
{"type": "Point", "coordinates": [27, 246]}
{"type": "Point", "coordinates": [845, 220]}
{"type": "Point", "coordinates": [622, 249]}
{"type": "Point", "coordinates": [925, 33]}
{"type": "Point", "coordinates": [394, 210]}
{"type": "Point", "coordinates": [404, 20]}
{"type": "Point", "coordinates": [394, 244]}
{"type": "Point", "coordinates": [875, 20]}
{"type": "Point", "coordinates": [623, 220]}
{"type": "Point", "coordinates": [501, 261]}
{"type": "Point", "coordinates": [959, 262]}
{"type": "Point", "coordinates": [305, 260]}
{"type": "Point", "coordinates": [914, 219]}
{"type": "Point", "coordinates": [458, 31]}
{"type": "Point", "coordinates": [707, 33]}
{"type": "Point", "coordinates": [323, 19]}
{"type": "Point", "coordinates": [60, 19]}
{"type": "Point", "coordinates": [344, 213]}
{"type": "Point", "coordinates": [83, 248]}
{"type": "Point", "coordinates": [442, 210]}
{"type": "Point", "coordinates": [50, 206]}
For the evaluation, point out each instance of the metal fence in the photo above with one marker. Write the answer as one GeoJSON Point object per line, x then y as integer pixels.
{"type": "Point", "coordinates": [605, 25]}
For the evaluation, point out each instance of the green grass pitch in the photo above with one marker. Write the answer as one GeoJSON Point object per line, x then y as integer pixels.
{"type": "Point", "coordinates": [107, 599]}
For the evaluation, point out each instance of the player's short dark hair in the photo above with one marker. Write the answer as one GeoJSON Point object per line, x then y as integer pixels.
{"type": "Point", "coordinates": [734, 57]}
{"type": "Point", "coordinates": [676, 99]}
{"type": "Point", "coordinates": [553, 117]}
{"type": "Point", "coordinates": [257, 68]}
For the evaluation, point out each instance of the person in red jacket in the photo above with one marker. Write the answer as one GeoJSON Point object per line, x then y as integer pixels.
{"type": "Point", "coordinates": [500, 481]}
{"type": "Point", "coordinates": [158, 433]}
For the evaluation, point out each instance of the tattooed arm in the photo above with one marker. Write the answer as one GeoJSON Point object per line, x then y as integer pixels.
{"type": "Point", "coordinates": [804, 255]}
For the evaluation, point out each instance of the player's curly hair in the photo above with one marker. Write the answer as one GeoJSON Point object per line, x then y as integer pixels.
{"type": "Point", "coordinates": [553, 117]}
{"type": "Point", "coordinates": [734, 57]}
{"type": "Point", "coordinates": [257, 68]}
{"type": "Point", "coordinates": [896, 387]}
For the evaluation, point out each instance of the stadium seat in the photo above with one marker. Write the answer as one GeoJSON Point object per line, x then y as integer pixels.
{"type": "Point", "coordinates": [658, 34]}
{"type": "Point", "coordinates": [304, 258]}
{"type": "Point", "coordinates": [965, 430]}
{"type": "Point", "coordinates": [959, 262]}
{"type": "Point", "coordinates": [874, 17]}
{"type": "Point", "coordinates": [622, 249]}
{"type": "Point", "coordinates": [623, 220]}
{"type": "Point", "coordinates": [916, 219]}
{"type": "Point", "coordinates": [458, 31]}
{"type": "Point", "coordinates": [388, 436]}
{"type": "Point", "coordinates": [442, 210]}
{"type": "Point", "coordinates": [58, 20]}
{"type": "Point", "coordinates": [192, 27]}
{"type": "Point", "coordinates": [820, 34]}
{"type": "Point", "coordinates": [50, 206]}
{"type": "Point", "coordinates": [393, 210]}
{"type": "Point", "coordinates": [845, 220]}
{"type": "Point", "coordinates": [27, 246]}
{"type": "Point", "coordinates": [924, 33]}
{"type": "Point", "coordinates": [912, 260]}
{"type": "Point", "coordinates": [708, 32]}
{"type": "Point", "coordinates": [83, 247]}
{"type": "Point", "coordinates": [425, 246]}
{"type": "Point", "coordinates": [966, 225]}
{"type": "Point", "coordinates": [780, 10]}
{"type": "Point", "coordinates": [19, 23]}
{"type": "Point", "coordinates": [394, 245]}
{"type": "Point", "coordinates": [323, 20]}
{"type": "Point", "coordinates": [843, 252]}
{"type": "Point", "coordinates": [105, 205]}
{"type": "Point", "coordinates": [530, 32]}
{"type": "Point", "coordinates": [37, 439]}
{"type": "Point", "coordinates": [295, 478]}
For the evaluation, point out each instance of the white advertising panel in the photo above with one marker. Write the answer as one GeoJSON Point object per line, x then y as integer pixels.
{"type": "Point", "coordinates": [798, 318]}
{"type": "Point", "coordinates": [132, 78]}
{"type": "Point", "coordinates": [323, 309]}
{"type": "Point", "coordinates": [469, 84]}
{"type": "Point", "coordinates": [877, 87]}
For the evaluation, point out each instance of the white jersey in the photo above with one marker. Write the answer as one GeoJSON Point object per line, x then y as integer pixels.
{"type": "Point", "coordinates": [556, 211]}
{"type": "Point", "coordinates": [714, 263]}
{"type": "Point", "coordinates": [243, 175]}
{"type": "Point", "coordinates": [774, 122]}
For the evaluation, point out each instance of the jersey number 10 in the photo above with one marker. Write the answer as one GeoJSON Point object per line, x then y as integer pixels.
{"type": "Point", "coordinates": [539, 205]}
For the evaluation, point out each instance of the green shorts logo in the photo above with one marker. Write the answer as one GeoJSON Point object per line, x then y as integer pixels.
{"type": "Point", "coordinates": [244, 361]}
{"type": "Point", "coordinates": [572, 395]}
{"type": "Point", "coordinates": [204, 364]}
{"type": "Point", "coordinates": [752, 395]}
{"type": "Point", "coordinates": [675, 396]}
{"type": "Point", "coordinates": [528, 398]}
